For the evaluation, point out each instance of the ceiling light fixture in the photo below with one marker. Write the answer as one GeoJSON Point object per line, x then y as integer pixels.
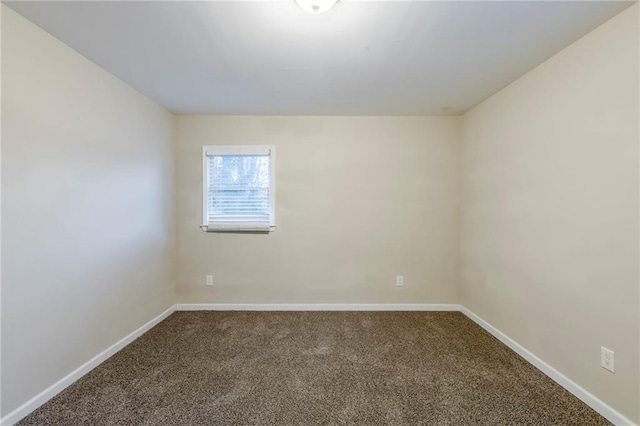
{"type": "Point", "coordinates": [316, 6]}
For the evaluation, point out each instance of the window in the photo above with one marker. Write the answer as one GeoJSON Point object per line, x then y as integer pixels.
{"type": "Point", "coordinates": [238, 188]}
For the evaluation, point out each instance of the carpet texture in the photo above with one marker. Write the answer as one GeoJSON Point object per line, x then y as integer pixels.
{"type": "Point", "coordinates": [310, 368]}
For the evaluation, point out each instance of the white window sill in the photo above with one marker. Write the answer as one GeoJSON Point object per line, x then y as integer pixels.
{"type": "Point", "coordinates": [235, 230]}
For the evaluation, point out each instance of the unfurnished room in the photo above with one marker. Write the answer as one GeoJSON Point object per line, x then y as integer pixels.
{"type": "Point", "coordinates": [320, 212]}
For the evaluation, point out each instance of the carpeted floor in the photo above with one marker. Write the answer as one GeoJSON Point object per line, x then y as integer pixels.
{"type": "Point", "coordinates": [309, 368]}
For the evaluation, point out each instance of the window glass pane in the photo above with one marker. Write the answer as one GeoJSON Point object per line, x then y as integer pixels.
{"type": "Point", "coordinates": [238, 186]}
{"type": "Point", "coordinates": [239, 171]}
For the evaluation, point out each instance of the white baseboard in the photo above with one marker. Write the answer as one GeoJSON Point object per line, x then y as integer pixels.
{"type": "Point", "coordinates": [316, 307]}
{"type": "Point", "coordinates": [35, 402]}
{"type": "Point", "coordinates": [585, 396]}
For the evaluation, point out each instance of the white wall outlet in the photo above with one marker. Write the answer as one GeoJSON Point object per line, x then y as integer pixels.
{"type": "Point", "coordinates": [399, 281]}
{"type": "Point", "coordinates": [607, 359]}
{"type": "Point", "coordinates": [209, 281]}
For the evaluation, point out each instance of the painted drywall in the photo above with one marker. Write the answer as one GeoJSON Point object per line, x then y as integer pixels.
{"type": "Point", "coordinates": [549, 219]}
{"type": "Point", "coordinates": [87, 202]}
{"type": "Point", "coordinates": [359, 200]}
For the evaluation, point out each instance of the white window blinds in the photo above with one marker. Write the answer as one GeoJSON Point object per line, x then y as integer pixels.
{"type": "Point", "coordinates": [239, 188]}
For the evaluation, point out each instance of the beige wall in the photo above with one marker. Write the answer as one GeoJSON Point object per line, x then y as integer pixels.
{"type": "Point", "coordinates": [550, 211]}
{"type": "Point", "coordinates": [86, 209]}
{"type": "Point", "coordinates": [359, 200]}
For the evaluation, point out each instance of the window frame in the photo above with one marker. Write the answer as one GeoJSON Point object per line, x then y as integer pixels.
{"type": "Point", "coordinates": [239, 150]}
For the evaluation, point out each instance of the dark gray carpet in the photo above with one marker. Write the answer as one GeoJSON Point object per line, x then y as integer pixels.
{"type": "Point", "coordinates": [308, 368]}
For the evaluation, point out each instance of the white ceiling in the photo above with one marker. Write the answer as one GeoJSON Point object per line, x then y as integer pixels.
{"type": "Point", "coordinates": [360, 58]}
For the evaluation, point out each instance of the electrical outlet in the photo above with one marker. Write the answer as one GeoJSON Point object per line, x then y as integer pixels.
{"type": "Point", "coordinates": [399, 281]}
{"type": "Point", "coordinates": [209, 281]}
{"type": "Point", "coordinates": [607, 359]}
